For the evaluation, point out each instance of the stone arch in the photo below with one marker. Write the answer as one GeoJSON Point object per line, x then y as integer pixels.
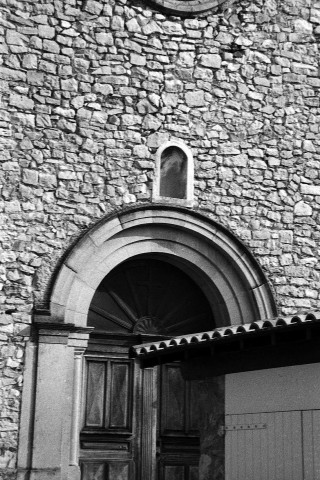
{"type": "Point", "coordinates": [220, 264]}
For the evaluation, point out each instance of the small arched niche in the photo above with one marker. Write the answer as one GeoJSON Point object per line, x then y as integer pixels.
{"type": "Point", "coordinates": [174, 174]}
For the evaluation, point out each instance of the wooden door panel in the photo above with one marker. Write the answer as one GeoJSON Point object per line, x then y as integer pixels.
{"type": "Point", "coordinates": [178, 441]}
{"type": "Point", "coordinates": [193, 473]}
{"type": "Point", "coordinates": [173, 472]}
{"type": "Point", "coordinates": [193, 417]}
{"type": "Point", "coordinates": [109, 396]}
{"type": "Point", "coordinates": [94, 471]}
{"type": "Point", "coordinates": [119, 396]}
{"type": "Point", "coordinates": [95, 394]}
{"type": "Point", "coordinates": [179, 471]}
{"type": "Point", "coordinates": [173, 398]}
{"type": "Point", "coordinates": [107, 471]}
{"type": "Point", "coordinates": [119, 471]}
{"type": "Point", "coordinates": [179, 409]}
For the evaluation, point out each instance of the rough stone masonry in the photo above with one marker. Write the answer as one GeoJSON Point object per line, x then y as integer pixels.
{"type": "Point", "coordinates": [89, 91]}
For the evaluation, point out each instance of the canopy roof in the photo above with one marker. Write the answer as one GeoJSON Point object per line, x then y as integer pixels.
{"type": "Point", "coordinates": [279, 332]}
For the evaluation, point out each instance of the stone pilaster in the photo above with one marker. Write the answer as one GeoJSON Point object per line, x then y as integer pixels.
{"type": "Point", "coordinates": [54, 408]}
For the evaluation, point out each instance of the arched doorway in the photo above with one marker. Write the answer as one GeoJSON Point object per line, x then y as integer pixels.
{"type": "Point", "coordinates": [216, 270]}
{"type": "Point", "coordinates": [230, 277]}
{"type": "Point", "coordinates": [140, 424]}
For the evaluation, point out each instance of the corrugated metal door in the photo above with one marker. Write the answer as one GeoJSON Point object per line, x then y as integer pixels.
{"type": "Point", "coordinates": [273, 446]}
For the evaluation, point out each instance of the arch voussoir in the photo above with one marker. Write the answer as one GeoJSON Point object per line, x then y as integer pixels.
{"type": "Point", "coordinates": [219, 262]}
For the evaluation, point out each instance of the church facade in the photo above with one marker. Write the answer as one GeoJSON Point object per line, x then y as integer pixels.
{"type": "Point", "coordinates": [159, 178]}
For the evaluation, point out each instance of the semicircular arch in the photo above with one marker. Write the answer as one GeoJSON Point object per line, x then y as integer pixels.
{"type": "Point", "coordinates": [218, 262]}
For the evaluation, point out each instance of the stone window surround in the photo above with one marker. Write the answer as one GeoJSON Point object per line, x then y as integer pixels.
{"type": "Point", "coordinates": [156, 197]}
{"type": "Point", "coordinates": [191, 7]}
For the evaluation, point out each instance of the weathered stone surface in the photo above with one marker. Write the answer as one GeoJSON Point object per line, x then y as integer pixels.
{"type": "Point", "coordinates": [211, 60]}
{"type": "Point", "coordinates": [88, 95]}
{"type": "Point", "coordinates": [30, 177]}
{"type": "Point", "coordinates": [93, 7]}
{"type": "Point", "coordinates": [195, 99]}
{"type": "Point", "coordinates": [172, 28]}
{"type": "Point", "coordinates": [315, 15]}
{"type": "Point", "coordinates": [303, 26]}
{"type": "Point", "coordinates": [46, 32]}
{"type": "Point", "coordinates": [310, 189]}
{"type": "Point", "coordinates": [133, 26]}
{"type": "Point", "coordinates": [21, 101]}
{"type": "Point", "coordinates": [30, 61]}
{"type": "Point", "coordinates": [10, 74]}
{"type": "Point", "coordinates": [302, 209]}
{"type": "Point", "coordinates": [104, 38]}
{"type": "Point", "coordinates": [15, 38]}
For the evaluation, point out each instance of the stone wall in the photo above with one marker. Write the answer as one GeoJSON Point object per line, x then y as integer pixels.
{"type": "Point", "coordinates": [91, 89]}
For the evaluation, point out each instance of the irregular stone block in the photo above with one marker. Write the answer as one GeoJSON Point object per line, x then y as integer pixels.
{"type": "Point", "coordinates": [195, 99]}
{"type": "Point", "coordinates": [302, 209]}
{"type": "Point", "coordinates": [70, 85]}
{"type": "Point", "coordinates": [46, 32]}
{"type": "Point", "coordinates": [150, 122]}
{"type": "Point", "coordinates": [51, 46]}
{"type": "Point", "coordinates": [35, 78]}
{"type": "Point", "coordinates": [211, 60]}
{"type": "Point", "coordinates": [104, 38]}
{"type": "Point", "coordinates": [114, 80]}
{"type": "Point", "coordinates": [172, 28]}
{"type": "Point", "coordinates": [128, 119]}
{"type": "Point", "coordinates": [30, 61]}
{"type": "Point", "coordinates": [15, 38]}
{"type": "Point", "coordinates": [47, 180]}
{"type": "Point", "coordinates": [93, 7]}
{"type": "Point", "coordinates": [310, 189]}
{"type": "Point", "coordinates": [302, 26]}
{"type": "Point", "coordinates": [308, 146]}
{"type": "Point", "coordinates": [102, 88]}
{"type": "Point", "coordinates": [21, 101]}
{"type": "Point", "coordinates": [117, 23]}
{"type": "Point", "coordinates": [9, 74]}
{"type": "Point", "coordinates": [24, 119]}
{"type": "Point", "coordinates": [30, 177]}
{"type": "Point", "coordinates": [12, 206]}
{"type": "Point", "coordinates": [315, 15]}
{"type": "Point", "coordinates": [133, 26]}
{"type": "Point", "coordinates": [157, 139]}
{"type": "Point", "coordinates": [151, 27]}
{"type": "Point", "coordinates": [105, 70]}
{"type": "Point", "coordinates": [137, 59]}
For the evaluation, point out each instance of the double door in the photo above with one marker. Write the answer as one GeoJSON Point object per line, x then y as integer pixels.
{"type": "Point", "coordinates": [137, 424]}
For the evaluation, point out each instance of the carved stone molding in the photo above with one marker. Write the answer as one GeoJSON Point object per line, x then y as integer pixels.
{"type": "Point", "coordinates": [213, 257]}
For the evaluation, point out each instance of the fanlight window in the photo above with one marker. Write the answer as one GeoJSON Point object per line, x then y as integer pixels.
{"type": "Point", "coordinates": [146, 296]}
{"type": "Point", "coordinates": [174, 174]}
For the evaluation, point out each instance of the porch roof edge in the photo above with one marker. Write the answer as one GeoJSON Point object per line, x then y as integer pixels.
{"type": "Point", "coordinates": [225, 335]}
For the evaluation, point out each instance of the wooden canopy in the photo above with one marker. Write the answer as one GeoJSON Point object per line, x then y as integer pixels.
{"type": "Point", "coordinates": [258, 345]}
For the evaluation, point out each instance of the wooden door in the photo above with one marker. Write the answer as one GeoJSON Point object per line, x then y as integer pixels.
{"type": "Point", "coordinates": [108, 443]}
{"type": "Point", "coordinates": [178, 443]}
{"type": "Point", "coordinates": [138, 424]}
